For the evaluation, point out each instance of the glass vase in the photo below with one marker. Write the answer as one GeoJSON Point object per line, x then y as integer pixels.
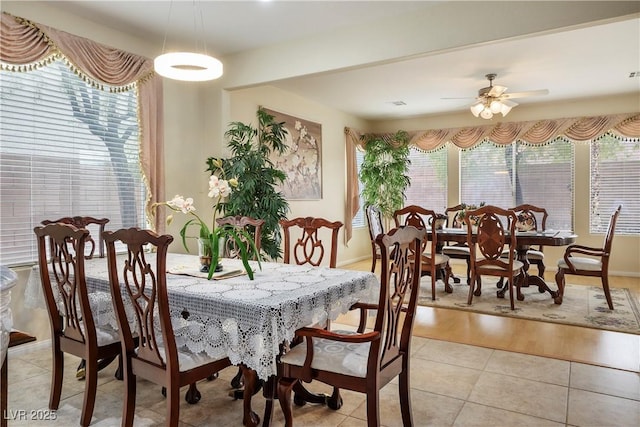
{"type": "Point", "coordinates": [205, 255]}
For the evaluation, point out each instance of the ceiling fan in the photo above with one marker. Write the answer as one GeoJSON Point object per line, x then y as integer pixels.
{"type": "Point", "coordinates": [493, 99]}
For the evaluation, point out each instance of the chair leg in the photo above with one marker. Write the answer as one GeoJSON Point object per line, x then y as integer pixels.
{"type": "Point", "coordinates": [90, 387]}
{"type": "Point", "coordinates": [285, 385]}
{"type": "Point", "coordinates": [511, 279]}
{"type": "Point", "coordinates": [446, 275]}
{"type": "Point", "coordinates": [56, 374]}
{"type": "Point", "coordinates": [373, 408]}
{"type": "Point", "coordinates": [607, 293]}
{"type": "Point", "coordinates": [405, 398]}
{"type": "Point", "coordinates": [560, 284]}
{"type": "Point", "coordinates": [173, 405]}
{"type": "Point", "coordinates": [129, 406]}
{"type": "Point", "coordinates": [433, 286]}
{"type": "Point", "coordinates": [471, 289]}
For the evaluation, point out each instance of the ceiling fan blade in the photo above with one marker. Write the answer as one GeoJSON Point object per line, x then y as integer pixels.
{"type": "Point", "coordinates": [525, 94]}
{"type": "Point", "coordinates": [496, 91]}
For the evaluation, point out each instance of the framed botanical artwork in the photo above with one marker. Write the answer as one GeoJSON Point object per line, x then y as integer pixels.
{"type": "Point", "coordinates": [302, 162]}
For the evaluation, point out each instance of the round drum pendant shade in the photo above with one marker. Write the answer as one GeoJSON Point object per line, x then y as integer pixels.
{"type": "Point", "coordinates": [188, 66]}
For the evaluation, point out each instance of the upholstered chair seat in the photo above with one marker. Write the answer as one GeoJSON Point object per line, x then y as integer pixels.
{"type": "Point", "coordinates": [333, 356]}
{"type": "Point", "coordinates": [580, 263]}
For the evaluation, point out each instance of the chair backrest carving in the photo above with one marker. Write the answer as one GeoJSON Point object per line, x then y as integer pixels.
{"type": "Point", "coordinates": [492, 237]}
{"type": "Point", "coordinates": [139, 293]}
{"type": "Point", "coordinates": [452, 216]}
{"type": "Point", "coordinates": [250, 225]}
{"type": "Point", "coordinates": [530, 217]}
{"type": "Point", "coordinates": [399, 288]}
{"type": "Point", "coordinates": [419, 217]}
{"type": "Point", "coordinates": [374, 222]}
{"type": "Point", "coordinates": [85, 222]}
{"type": "Point", "coordinates": [308, 247]}
{"type": "Point", "coordinates": [66, 295]}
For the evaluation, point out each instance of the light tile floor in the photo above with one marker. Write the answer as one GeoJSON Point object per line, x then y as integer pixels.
{"type": "Point", "coordinates": [452, 385]}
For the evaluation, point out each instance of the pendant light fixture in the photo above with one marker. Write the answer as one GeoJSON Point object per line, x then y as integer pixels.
{"type": "Point", "coordinates": [188, 66]}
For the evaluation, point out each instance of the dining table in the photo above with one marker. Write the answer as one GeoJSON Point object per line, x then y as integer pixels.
{"type": "Point", "coordinates": [246, 320]}
{"type": "Point", "coordinates": [524, 241]}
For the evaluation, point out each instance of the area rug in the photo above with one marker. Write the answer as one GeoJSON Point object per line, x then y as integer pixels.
{"type": "Point", "coordinates": [582, 305]}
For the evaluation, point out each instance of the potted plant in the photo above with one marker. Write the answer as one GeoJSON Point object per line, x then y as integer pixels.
{"type": "Point", "coordinates": [256, 194]}
{"type": "Point", "coordinates": [385, 172]}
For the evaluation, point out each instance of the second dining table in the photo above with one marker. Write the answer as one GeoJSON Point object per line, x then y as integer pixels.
{"type": "Point", "coordinates": [524, 241]}
{"type": "Point", "coordinates": [245, 320]}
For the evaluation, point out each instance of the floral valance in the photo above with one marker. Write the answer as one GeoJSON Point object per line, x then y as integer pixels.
{"type": "Point", "coordinates": [27, 45]}
{"type": "Point", "coordinates": [531, 132]}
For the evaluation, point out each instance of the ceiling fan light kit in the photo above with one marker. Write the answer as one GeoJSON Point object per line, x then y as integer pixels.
{"type": "Point", "coordinates": [493, 99]}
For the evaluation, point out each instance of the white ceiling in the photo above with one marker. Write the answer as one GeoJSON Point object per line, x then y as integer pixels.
{"type": "Point", "coordinates": [581, 63]}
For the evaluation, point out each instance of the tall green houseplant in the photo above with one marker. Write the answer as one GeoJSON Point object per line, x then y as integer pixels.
{"type": "Point", "coordinates": [256, 195]}
{"type": "Point", "coordinates": [385, 172]}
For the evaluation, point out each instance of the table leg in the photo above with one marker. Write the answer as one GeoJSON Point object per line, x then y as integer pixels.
{"type": "Point", "coordinates": [526, 279]}
{"type": "Point", "coordinates": [249, 418]}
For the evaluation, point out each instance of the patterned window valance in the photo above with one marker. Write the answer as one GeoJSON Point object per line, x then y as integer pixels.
{"type": "Point", "coordinates": [531, 132]}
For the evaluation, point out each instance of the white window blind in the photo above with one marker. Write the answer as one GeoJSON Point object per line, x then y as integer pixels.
{"type": "Point", "coordinates": [66, 149]}
{"type": "Point", "coordinates": [615, 180]}
{"type": "Point", "coordinates": [428, 173]}
{"type": "Point", "coordinates": [508, 176]}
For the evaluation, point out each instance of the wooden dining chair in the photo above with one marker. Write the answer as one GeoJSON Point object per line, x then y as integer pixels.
{"type": "Point", "coordinates": [250, 225]}
{"type": "Point", "coordinates": [71, 318]}
{"type": "Point", "coordinates": [374, 222]}
{"type": "Point", "coordinates": [139, 292]}
{"type": "Point", "coordinates": [492, 248]}
{"type": "Point", "coordinates": [532, 218]}
{"type": "Point", "coordinates": [88, 222]}
{"type": "Point", "coordinates": [309, 247]}
{"type": "Point", "coordinates": [582, 260]}
{"type": "Point", "coordinates": [365, 362]}
{"type": "Point", "coordinates": [452, 249]}
{"type": "Point", "coordinates": [432, 263]}
{"type": "Point", "coordinates": [85, 222]}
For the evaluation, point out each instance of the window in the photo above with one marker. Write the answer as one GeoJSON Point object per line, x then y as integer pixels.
{"type": "Point", "coordinates": [428, 172]}
{"type": "Point", "coordinates": [67, 149]}
{"type": "Point", "coordinates": [359, 220]}
{"type": "Point", "coordinates": [615, 180]}
{"type": "Point", "coordinates": [507, 176]}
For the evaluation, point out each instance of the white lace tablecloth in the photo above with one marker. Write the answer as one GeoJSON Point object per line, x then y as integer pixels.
{"type": "Point", "coordinates": [246, 320]}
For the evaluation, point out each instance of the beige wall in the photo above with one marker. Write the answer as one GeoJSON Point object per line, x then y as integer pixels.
{"type": "Point", "coordinates": [243, 106]}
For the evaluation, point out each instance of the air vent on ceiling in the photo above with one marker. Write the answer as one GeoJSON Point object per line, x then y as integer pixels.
{"type": "Point", "coordinates": [634, 74]}
{"type": "Point", "coordinates": [397, 103]}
